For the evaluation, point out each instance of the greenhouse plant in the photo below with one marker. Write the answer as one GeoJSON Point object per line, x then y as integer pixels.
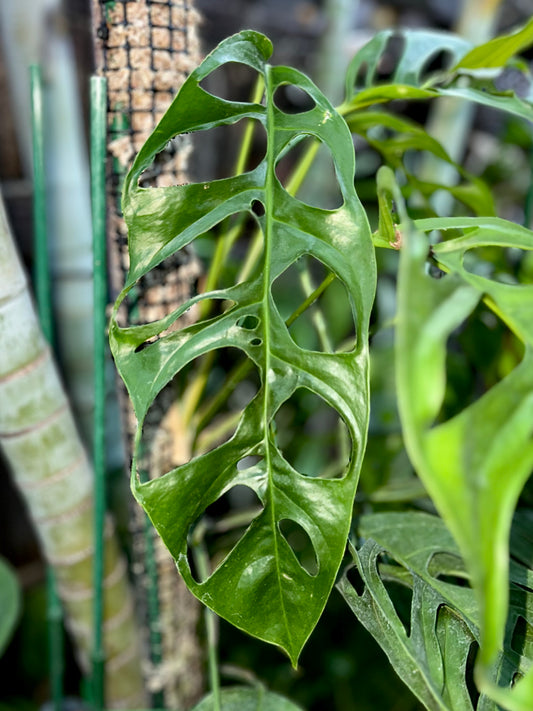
{"type": "Point", "coordinates": [259, 519]}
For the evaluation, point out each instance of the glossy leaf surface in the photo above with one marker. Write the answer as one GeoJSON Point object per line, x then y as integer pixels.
{"type": "Point", "coordinates": [498, 51]}
{"type": "Point", "coordinates": [260, 586]}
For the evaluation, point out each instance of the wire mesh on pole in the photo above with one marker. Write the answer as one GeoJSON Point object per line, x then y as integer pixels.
{"type": "Point", "coordinates": [146, 49]}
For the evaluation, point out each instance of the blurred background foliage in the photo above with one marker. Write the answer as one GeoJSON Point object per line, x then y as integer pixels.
{"type": "Point", "coordinates": [341, 668]}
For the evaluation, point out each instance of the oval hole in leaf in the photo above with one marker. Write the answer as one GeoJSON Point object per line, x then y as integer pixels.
{"type": "Point", "coordinates": [292, 99]}
{"type": "Point", "coordinates": [470, 372]}
{"type": "Point", "coordinates": [388, 61]}
{"type": "Point", "coordinates": [191, 315]}
{"type": "Point", "coordinates": [231, 81]}
{"type": "Point", "coordinates": [200, 311]}
{"type": "Point", "coordinates": [469, 674]}
{"type": "Point", "coordinates": [398, 583]}
{"type": "Point", "coordinates": [164, 288]}
{"type": "Point", "coordinates": [522, 639]}
{"type": "Point", "coordinates": [164, 168]}
{"type": "Point", "coordinates": [166, 438]}
{"type": "Point", "coordinates": [249, 462]}
{"type": "Point", "coordinates": [440, 61]}
{"type": "Point", "coordinates": [300, 544]}
{"type": "Point", "coordinates": [312, 436]}
{"type": "Point", "coordinates": [501, 264]}
{"type": "Point", "coordinates": [222, 525]}
{"type": "Point", "coordinates": [250, 322]}
{"type": "Point", "coordinates": [328, 324]}
{"type": "Point", "coordinates": [319, 187]}
{"type": "Point", "coordinates": [217, 149]}
{"type": "Point", "coordinates": [361, 77]}
{"type": "Point", "coordinates": [258, 208]}
{"type": "Point", "coordinates": [245, 233]}
{"type": "Point", "coordinates": [356, 581]}
{"type": "Point", "coordinates": [448, 568]}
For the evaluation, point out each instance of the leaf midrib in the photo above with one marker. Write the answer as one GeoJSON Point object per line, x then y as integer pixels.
{"type": "Point", "coordinates": [269, 226]}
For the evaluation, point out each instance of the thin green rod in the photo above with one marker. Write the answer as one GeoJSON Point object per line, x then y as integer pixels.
{"type": "Point", "coordinates": [54, 613]}
{"type": "Point", "coordinates": [98, 95]}
{"type": "Point", "coordinates": [201, 559]}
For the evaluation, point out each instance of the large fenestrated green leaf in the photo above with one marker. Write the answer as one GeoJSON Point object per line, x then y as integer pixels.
{"type": "Point", "coordinates": [417, 550]}
{"type": "Point", "coordinates": [475, 464]}
{"type": "Point", "coordinates": [260, 586]}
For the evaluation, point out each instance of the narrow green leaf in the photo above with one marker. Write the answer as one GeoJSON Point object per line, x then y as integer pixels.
{"type": "Point", "coordinates": [260, 586]}
{"type": "Point", "coordinates": [475, 464]}
{"type": "Point", "coordinates": [498, 51]}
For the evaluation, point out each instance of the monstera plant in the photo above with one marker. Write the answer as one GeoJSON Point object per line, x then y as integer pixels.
{"type": "Point", "coordinates": [272, 378]}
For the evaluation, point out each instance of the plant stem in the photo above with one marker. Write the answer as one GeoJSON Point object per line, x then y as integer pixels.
{"type": "Point", "coordinates": [202, 564]}
{"type": "Point", "coordinates": [317, 316]}
{"type": "Point", "coordinates": [98, 156]}
{"type": "Point", "coordinates": [246, 144]}
{"type": "Point", "coordinates": [54, 613]}
{"type": "Point", "coordinates": [226, 242]}
{"type": "Point", "coordinates": [310, 299]}
{"type": "Point", "coordinates": [194, 392]}
{"type": "Point", "coordinates": [242, 369]}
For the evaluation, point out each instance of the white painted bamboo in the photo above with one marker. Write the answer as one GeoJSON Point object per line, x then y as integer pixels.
{"type": "Point", "coordinates": [51, 470]}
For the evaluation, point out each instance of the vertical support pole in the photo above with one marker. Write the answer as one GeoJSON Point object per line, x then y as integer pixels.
{"type": "Point", "coordinates": [98, 95]}
{"type": "Point", "coordinates": [54, 614]}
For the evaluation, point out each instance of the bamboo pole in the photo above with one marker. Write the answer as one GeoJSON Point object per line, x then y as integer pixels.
{"type": "Point", "coordinates": [51, 470]}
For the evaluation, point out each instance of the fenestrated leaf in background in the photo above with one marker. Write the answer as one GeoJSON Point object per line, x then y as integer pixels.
{"type": "Point", "coordinates": [242, 698]}
{"type": "Point", "coordinates": [9, 603]}
{"type": "Point", "coordinates": [475, 464]}
{"type": "Point", "coordinates": [435, 658]}
{"type": "Point", "coordinates": [260, 586]}
{"type": "Point", "coordinates": [439, 640]}
{"type": "Point", "coordinates": [411, 55]}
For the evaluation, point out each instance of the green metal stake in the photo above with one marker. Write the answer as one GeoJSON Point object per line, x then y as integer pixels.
{"type": "Point", "coordinates": [98, 162]}
{"type": "Point", "coordinates": [54, 614]}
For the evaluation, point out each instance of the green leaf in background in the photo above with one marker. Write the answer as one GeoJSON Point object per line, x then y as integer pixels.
{"type": "Point", "coordinates": [498, 51]}
{"type": "Point", "coordinates": [439, 635]}
{"type": "Point", "coordinates": [475, 464]}
{"type": "Point", "coordinates": [395, 136]}
{"type": "Point", "coordinates": [411, 77]}
{"type": "Point", "coordinates": [410, 64]}
{"type": "Point", "coordinates": [260, 586]}
{"type": "Point", "coordinates": [242, 698]}
{"type": "Point", "coordinates": [434, 656]}
{"type": "Point", "coordinates": [9, 603]}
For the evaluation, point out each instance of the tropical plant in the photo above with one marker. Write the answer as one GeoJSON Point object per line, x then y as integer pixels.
{"type": "Point", "coordinates": [272, 381]}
